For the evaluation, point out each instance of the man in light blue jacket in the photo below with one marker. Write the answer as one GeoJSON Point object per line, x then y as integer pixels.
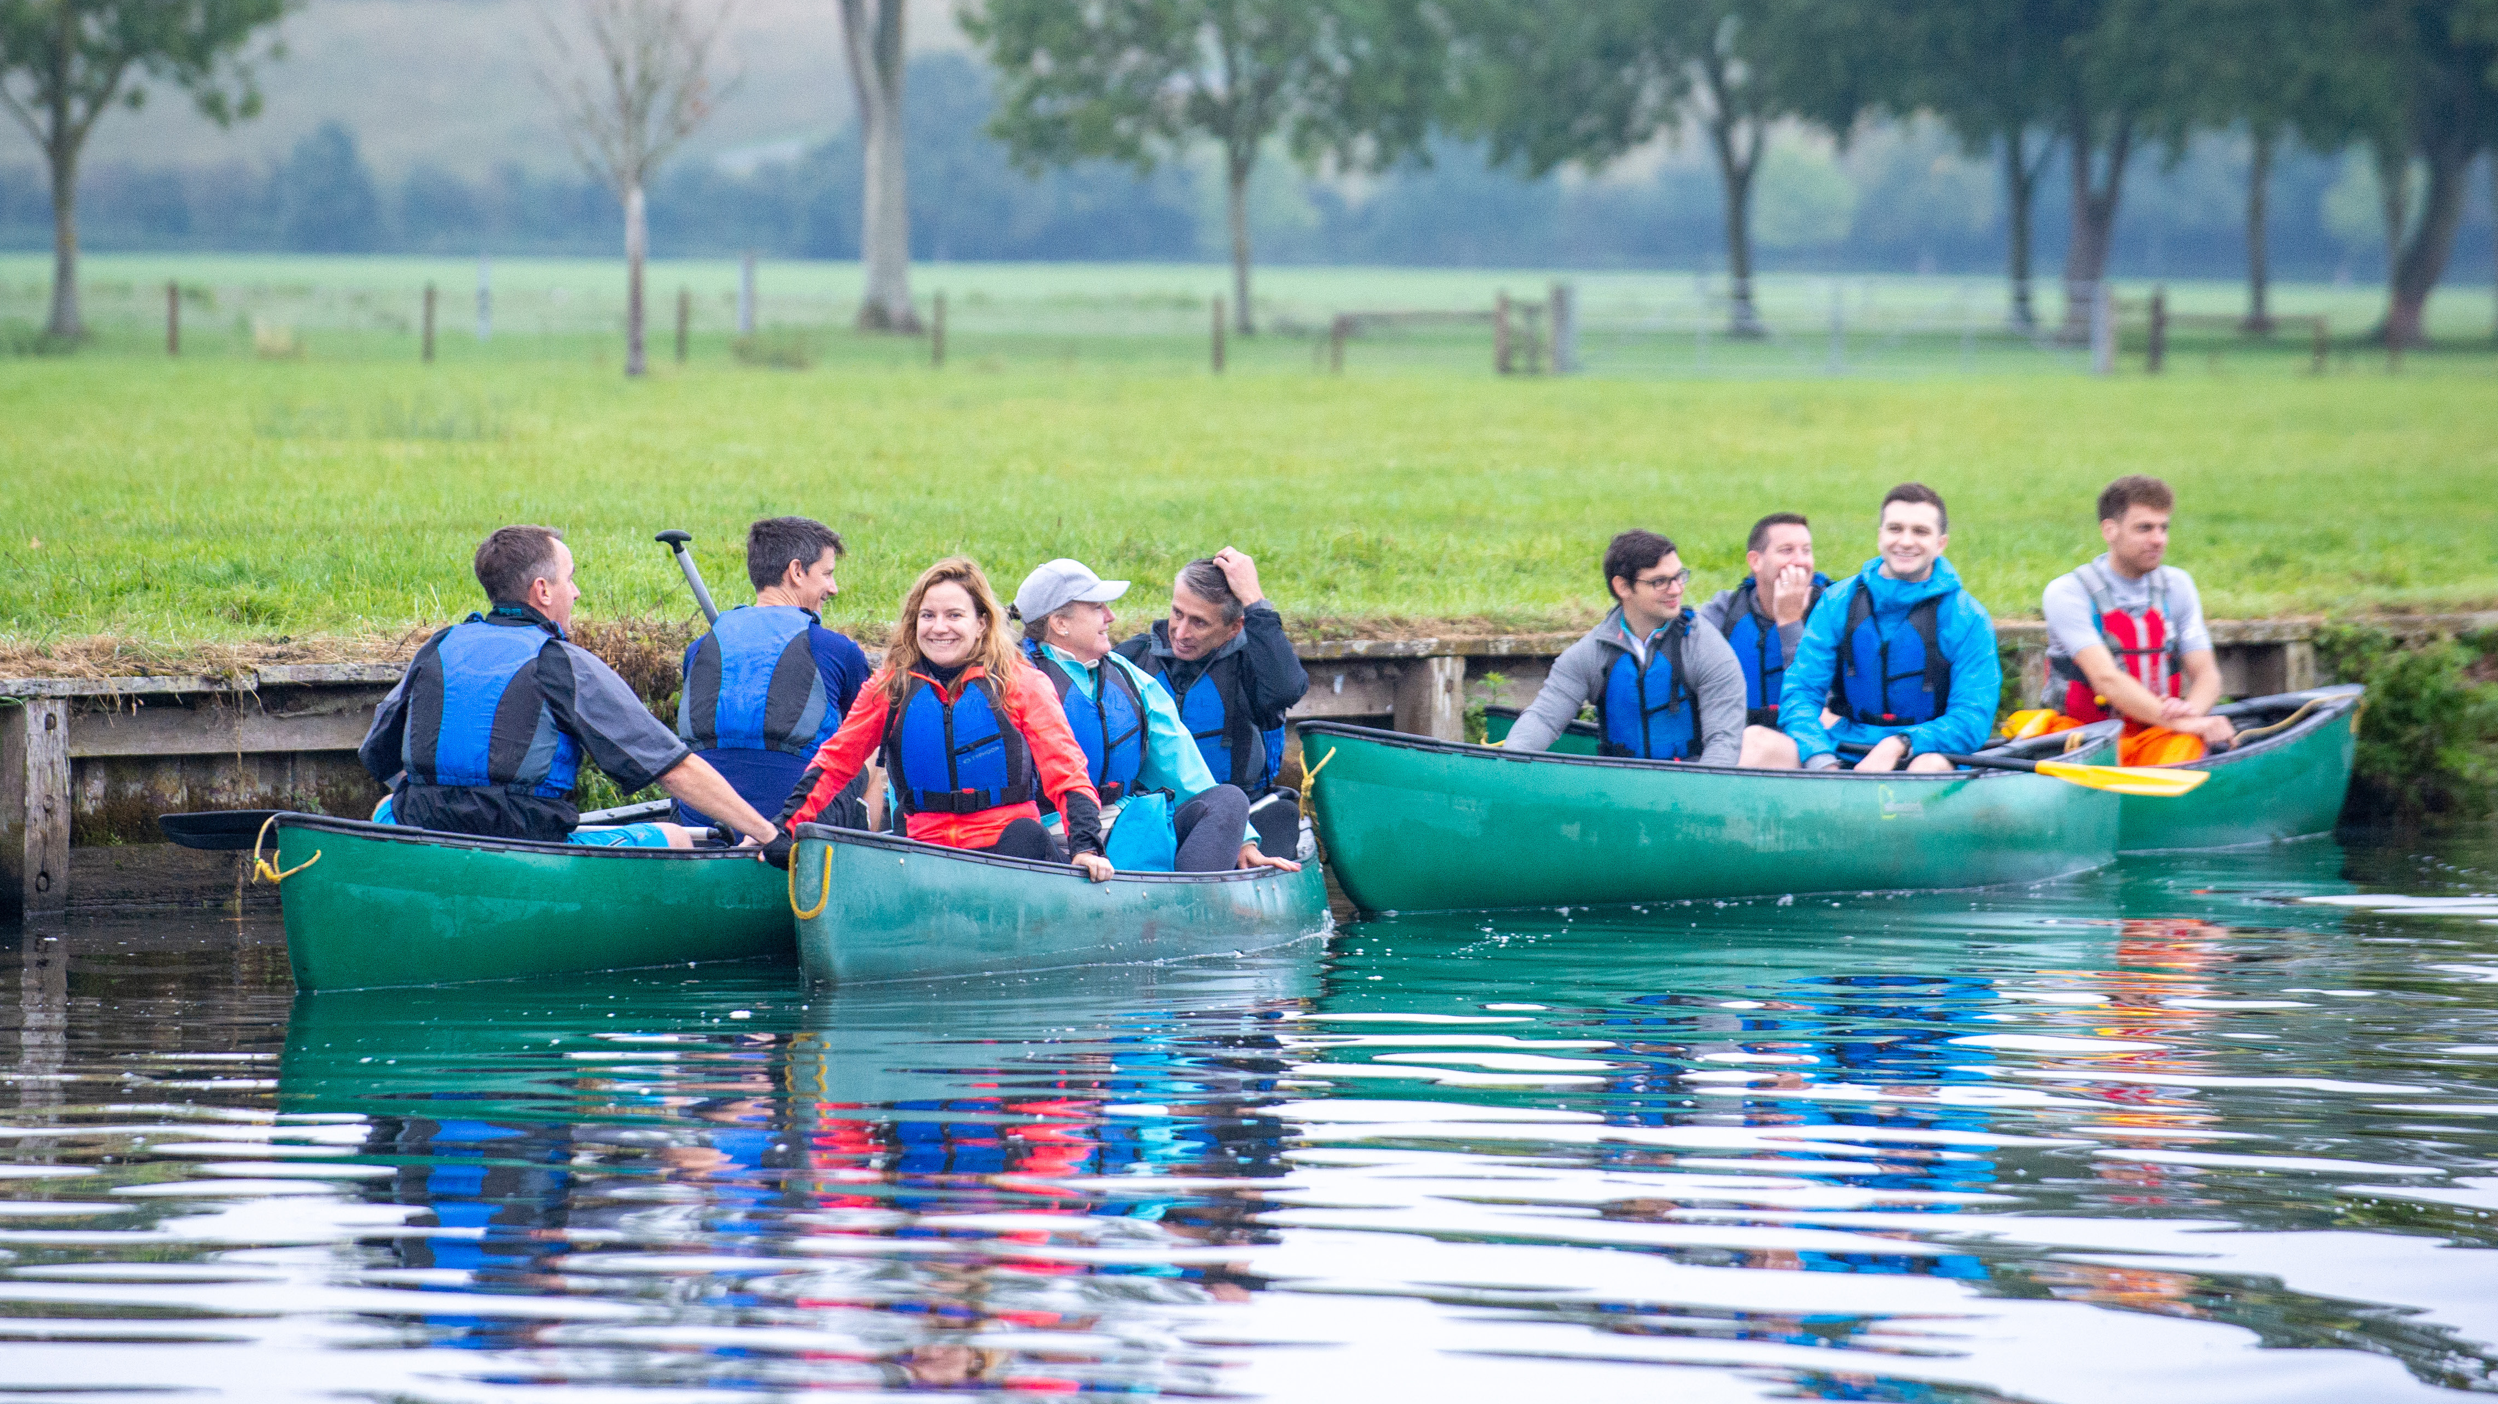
{"type": "Point", "coordinates": [1127, 722]}
{"type": "Point", "coordinates": [1897, 660]}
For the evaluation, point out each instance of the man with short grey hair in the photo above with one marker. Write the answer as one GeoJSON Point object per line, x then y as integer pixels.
{"type": "Point", "coordinates": [1226, 661]}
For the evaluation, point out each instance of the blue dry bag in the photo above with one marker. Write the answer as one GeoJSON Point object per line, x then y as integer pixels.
{"type": "Point", "coordinates": [1141, 839]}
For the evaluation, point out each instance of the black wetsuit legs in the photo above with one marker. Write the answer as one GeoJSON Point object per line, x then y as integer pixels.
{"type": "Point", "coordinates": [1209, 828]}
{"type": "Point", "coordinates": [1025, 838]}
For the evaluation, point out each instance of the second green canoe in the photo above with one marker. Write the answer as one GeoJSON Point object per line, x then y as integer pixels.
{"type": "Point", "coordinates": [1413, 824]}
{"type": "Point", "coordinates": [2286, 784]}
{"type": "Point", "coordinates": [379, 904]}
{"type": "Point", "coordinates": [877, 907]}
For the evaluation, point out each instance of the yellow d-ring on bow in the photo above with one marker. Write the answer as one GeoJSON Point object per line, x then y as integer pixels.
{"type": "Point", "coordinates": [265, 871]}
{"type": "Point", "coordinates": [822, 899]}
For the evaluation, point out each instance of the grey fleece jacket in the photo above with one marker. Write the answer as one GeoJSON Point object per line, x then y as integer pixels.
{"type": "Point", "coordinates": [1578, 678]}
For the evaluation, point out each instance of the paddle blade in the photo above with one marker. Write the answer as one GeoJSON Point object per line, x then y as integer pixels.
{"type": "Point", "coordinates": [2156, 782]}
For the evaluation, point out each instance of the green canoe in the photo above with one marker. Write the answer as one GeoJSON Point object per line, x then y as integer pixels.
{"type": "Point", "coordinates": [1412, 824]}
{"type": "Point", "coordinates": [377, 904]}
{"type": "Point", "coordinates": [2285, 785]}
{"type": "Point", "coordinates": [877, 907]}
{"type": "Point", "coordinates": [1579, 739]}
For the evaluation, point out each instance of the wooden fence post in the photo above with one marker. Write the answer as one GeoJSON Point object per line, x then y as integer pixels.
{"type": "Point", "coordinates": [685, 320]}
{"type": "Point", "coordinates": [1337, 332]}
{"type": "Point", "coordinates": [1431, 698]}
{"type": "Point", "coordinates": [936, 332]}
{"type": "Point", "coordinates": [34, 806]}
{"type": "Point", "coordinates": [1565, 329]}
{"type": "Point", "coordinates": [2318, 347]}
{"type": "Point", "coordinates": [1218, 336]}
{"type": "Point", "coordinates": [746, 297]}
{"type": "Point", "coordinates": [2157, 352]}
{"type": "Point", "coordinates": [173, 318]}
{"type": "Point", "coordinates": [1500, 334]}
{"type": "Point", "coordinates": [429, 324]}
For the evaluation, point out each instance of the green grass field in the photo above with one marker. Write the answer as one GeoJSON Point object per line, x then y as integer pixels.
{"type": "Point", "coordinates": [236, 499]}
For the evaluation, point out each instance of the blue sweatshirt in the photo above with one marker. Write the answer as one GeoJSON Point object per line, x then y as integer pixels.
{"type": "Point", "coordinates": [1962, 628]}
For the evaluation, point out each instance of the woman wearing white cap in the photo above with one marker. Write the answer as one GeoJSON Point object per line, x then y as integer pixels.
{"type": "Point", "coordinates": [1126, 721]}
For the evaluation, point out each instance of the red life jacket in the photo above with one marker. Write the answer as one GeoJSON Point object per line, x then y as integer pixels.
{"type": "Point", "coordinates": [2144, 643]}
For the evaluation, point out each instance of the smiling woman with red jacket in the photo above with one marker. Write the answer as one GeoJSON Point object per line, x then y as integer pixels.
{"type": "Point", "coordinates": [972, 736]}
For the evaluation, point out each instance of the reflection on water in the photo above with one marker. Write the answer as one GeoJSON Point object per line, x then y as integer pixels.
{"type": "Point", "coordinates": [2199, 1128]}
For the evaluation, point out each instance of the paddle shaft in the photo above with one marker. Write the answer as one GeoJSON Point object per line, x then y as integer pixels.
{"type": "Point", "coordinates": [676, 541]}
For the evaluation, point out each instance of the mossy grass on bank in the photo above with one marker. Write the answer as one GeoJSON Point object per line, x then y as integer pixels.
{"type": "Point", "coordinates": [201, 501]}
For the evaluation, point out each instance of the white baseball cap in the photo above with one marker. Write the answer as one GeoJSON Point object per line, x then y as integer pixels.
{"type": "Point", "coordinates": [1060, 583]}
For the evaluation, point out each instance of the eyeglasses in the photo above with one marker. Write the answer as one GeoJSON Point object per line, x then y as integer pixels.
{"type": "Point", "coordinates": [1673, 581]}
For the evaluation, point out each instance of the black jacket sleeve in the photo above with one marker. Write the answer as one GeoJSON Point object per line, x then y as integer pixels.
{"type": "Point", "coordinates": [1083, 820]}
{"type": "Point", "coordinates": [385, 746]}
{"type": "Point", "coordinates": [1275, 678]}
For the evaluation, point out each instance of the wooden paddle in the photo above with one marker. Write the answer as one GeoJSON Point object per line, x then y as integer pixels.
{"type": "Point", "coordinates": [234, 830]}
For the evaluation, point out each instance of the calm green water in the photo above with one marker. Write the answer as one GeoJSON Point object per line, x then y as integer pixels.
{"type": "Point", "coordinates": [2211, 1128]}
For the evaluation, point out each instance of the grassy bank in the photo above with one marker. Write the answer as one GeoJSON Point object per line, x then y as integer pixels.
{"type": "Point", "coordinates": [227, 500]}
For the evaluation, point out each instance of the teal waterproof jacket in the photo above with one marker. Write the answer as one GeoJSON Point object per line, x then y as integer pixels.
{"type": "Point", "coordinates": [1172, 760]}
{"type": "Point", "coordinates": [1962, 629]}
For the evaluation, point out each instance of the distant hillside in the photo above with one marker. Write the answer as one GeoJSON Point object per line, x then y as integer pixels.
{"type": "Point", "coordinates": [452, 83]}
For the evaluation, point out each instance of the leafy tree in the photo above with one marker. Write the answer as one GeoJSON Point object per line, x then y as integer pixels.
{"type": "Point", "coordinates": [1589, 82]}
{"type": "Point", "coordinates": [329, 202]}
{"type": "Point", "coordinates": [64, 63]}
{"type": "Point", "coordinates": [1350, 82]}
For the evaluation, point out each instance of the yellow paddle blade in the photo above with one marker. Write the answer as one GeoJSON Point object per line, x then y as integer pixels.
{"type": "Point", "coordinates": [2157, 782]}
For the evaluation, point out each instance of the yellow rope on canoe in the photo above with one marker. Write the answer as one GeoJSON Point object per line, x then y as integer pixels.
{"type": "Point", "coordinates": [265, 871]}
{"type": "Point", "coordinates": [822, 900]}
{"type": "Point", "coordinates": [1309, 782]}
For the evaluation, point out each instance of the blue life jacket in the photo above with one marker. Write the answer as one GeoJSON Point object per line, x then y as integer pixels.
{"type": "Point", "coordinates": [1109, 725]}
{"type": "Point", "coordinates": [752, 685]}
{"type": "Point", "coordinates": [1754, 637]}
{"type": "Point", "coordinates": [1215, 709]}
{"type": "Point", "coordinates": [476, 716]}
{"type": "Point", "coordinates": [1899, 679]}
{"type": "Point", "coordinates": [1650, 712]}
{"type": "Point", "coordinates": [957, 757]}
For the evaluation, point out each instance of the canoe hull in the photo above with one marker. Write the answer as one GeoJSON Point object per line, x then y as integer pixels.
{"type": "Point", "coordinates": [2282, 787]}
{"type": "Point", "coordinates": [1416, 825]}
{"type": "Point", "coordinates": [383, 905]}
{"type": "Point", "coordinates": [899, 910]}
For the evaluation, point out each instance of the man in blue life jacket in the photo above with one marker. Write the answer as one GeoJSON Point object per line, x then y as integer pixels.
{"type": "Point", "coordinates": [1664, 688]}
{"type": "Point", "coordinates": [1901, 655]}
{"type": "Point", "coordinates": [1763, 619]}
{"type": "Point", "coordinates": [486, 732]}
{"type": "Point", "coordinates": [1225, 659]}
{"type": "Point", "coordinates": [769, 683]}
{"type": "Point", "coordinates": [1127, 722]}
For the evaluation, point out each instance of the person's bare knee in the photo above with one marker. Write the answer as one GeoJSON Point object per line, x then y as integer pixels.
{"type": "Point", "coordinates": [1768, 749]}
{"type": "Point", "coordinates": [679, 836]}
{"type": "Point", "coordinates": [1929, 762]}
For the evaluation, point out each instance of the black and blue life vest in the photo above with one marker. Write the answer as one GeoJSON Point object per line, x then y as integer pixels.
{"type": "Point", "coordinates": [1109, 725]}
{"type": "Point", "coordinates": [477, 717]}
{"type": "Point", "coordinates": [1215, 709]}
{"type": "Point", "coordinates": [956, 757]}
{"type": "Point", "coordinates": [1754, 637]}
{"type": "Point", "coordinates": [752, 685]}
{"type": "Point", "coordinates": [1649, 711]}
{"type": "Point", "coordinates": [1897, 679]}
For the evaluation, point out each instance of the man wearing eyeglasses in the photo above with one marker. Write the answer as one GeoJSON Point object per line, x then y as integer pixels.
{"type": "Point", "coordinates": [1664, 688]}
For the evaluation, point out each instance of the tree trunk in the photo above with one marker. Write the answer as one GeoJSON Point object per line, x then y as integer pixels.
{"type": "Point", "coordinates": [876, 60]}
{"type": "Point", "coordinates": [2020, 190]}
{"type": "Point", "coordinates": [2094, 220]}
{"type": "Point", "coordinates": [2423, 260]}
{"type": "Point", "coordinates": [1735, 168]}
{"type": "Point", "coordinates": [2258, 255]}
{"type": "Point", "coordinates": [2393, 162]}
{"type": "Point", "coordinates": [65, 323]}
{"type": "Point", "coordinates": [1236, 170]}
{"type": "Point", "coordinates": [637, 248]}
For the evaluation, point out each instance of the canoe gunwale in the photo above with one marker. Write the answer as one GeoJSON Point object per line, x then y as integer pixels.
{"type": "Point", "coordinates": [2339, 701]}
{"type": "Point", "coordinates": [439, 838]}
{"type": "Point", "coordinates": [906, 847]}
{"type": "Point", "coordinates": [2095, 735]}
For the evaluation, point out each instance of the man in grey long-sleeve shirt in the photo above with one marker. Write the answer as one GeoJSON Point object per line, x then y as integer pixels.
{"type": "Point", "coordinates": [1663, 687]}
